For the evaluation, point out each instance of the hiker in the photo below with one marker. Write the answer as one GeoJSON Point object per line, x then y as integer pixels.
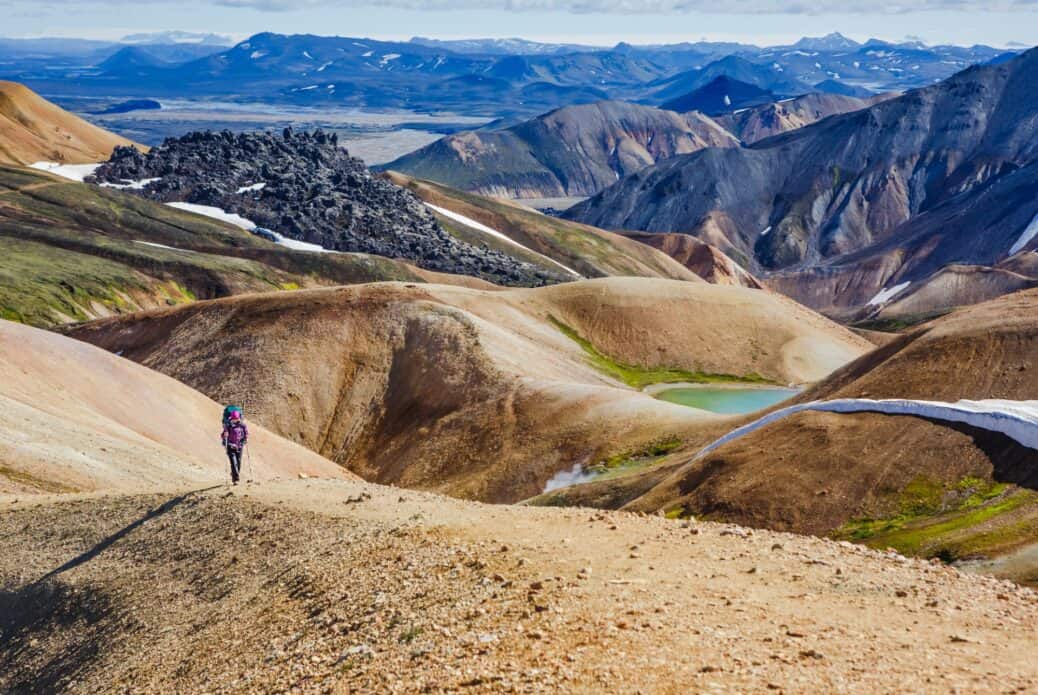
{"type": "Point", "coordinates": [235, 436]}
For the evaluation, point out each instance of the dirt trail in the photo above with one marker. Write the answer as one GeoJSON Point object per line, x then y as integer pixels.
{"type": "Point", "coordinates": [322, 585]}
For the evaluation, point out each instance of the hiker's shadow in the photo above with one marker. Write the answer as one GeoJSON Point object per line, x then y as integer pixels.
{"type": "Point", "coordinates": [93, 552]}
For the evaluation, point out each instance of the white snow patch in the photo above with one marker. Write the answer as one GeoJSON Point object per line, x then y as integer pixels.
{"type": "Point", "coordinates": [857, 65]}
{"type": "Point", "coordinates": [766, 230]}
{"type": "Point", "coordinates": [323, 66]}
{"type": "Point", "coordinates": [388, 57]}
{"type": "Point", "coordinates": [162, 246]}
{"type": "Point", "coordinates": [132, 185]}
{"type": "Point", "coordinates": [297, 245]}
{"type": "Point", "coordinates": [308, 55]}
{"type": "Point", "coordinates": [1018, 420]}
{"type": "Point", "coordinates": [885, 295]}
{"type": "Point", "coordinates": [255, 55]}
{"type": "Point", "coordinates": [252, 187]}
{"type": "Point", "coordinates": [468, 222]}
{"type": "Point", "coordinates": [307, 88]}
{"type": "Point", "coordinates": [1030, 233]}
{"type": "Point", "coordinates": [367, 55]}
{"type": "Point", "coordinates": [727, 100]}
{"type": "Point", "coordinates": [72, 172]}
{"type": "Point", "coordinates": [216, 214]}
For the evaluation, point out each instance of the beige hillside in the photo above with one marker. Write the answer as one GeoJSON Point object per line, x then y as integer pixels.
{"type": "Point", "coordinates": [482, 394]}
{"type": "Point", "coordinates": [33, 129]}
{"type": "Point", "coordinates": [159, 579]}
{"type": "Point", "coordinates": [76, 418]}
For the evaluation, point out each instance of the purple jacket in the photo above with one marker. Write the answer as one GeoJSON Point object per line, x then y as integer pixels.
{"type": "Point", "coordinates": [235, 435]}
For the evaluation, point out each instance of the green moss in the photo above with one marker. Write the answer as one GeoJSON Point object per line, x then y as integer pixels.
{"type": "Point", "coordinates": [952, 521]}
{"type": "Point", "coordinates": [70, 249]}
{"type": "Point", "coordinates": [39, 284]}
{"type": "Point", "coordinates": [920, 497]}
{"type": "Point", "coordinates": [639, 377]}
{"type": "Point", "coordinates": [654, 450]}
{"type": "Point", "coordinates": [898, 324]}
{"type": "Point", "coordinates": [619, 465]}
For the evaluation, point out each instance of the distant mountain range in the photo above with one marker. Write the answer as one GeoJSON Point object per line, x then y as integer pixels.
{"type": "Point", "coordinates": [577, 151]}
{"type": "Point", "coordinates": [865, 208]}
{"type": "Point", "coordinates": [574, 151]}
{"type": "Point", "coordinates": [494, 77]}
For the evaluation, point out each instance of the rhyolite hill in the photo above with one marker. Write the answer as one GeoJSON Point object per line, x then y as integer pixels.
{"type": "Point", "coordinates": [835, 212]}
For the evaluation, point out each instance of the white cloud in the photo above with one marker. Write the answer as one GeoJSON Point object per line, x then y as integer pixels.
{"type": "Point", "coordinates": [751, 7]}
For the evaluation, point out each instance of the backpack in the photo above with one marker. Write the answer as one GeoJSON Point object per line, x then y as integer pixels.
{"type": "Point", "coordinates": [232, 409]}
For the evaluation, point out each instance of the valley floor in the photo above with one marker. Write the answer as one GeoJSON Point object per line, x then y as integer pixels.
{"type": "Point", "coordinates": [320, 585]}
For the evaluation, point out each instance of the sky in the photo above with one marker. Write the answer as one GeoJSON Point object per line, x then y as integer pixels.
{"type": "Point", "coordinates": [598, 22]}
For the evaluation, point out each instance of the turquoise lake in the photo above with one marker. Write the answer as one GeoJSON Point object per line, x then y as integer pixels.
{"type": "Point", "coordinates": [726, 401]}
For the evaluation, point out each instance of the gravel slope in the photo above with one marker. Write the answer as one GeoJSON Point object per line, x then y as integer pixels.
{"type": "Point", "coordinates": [314, 586]}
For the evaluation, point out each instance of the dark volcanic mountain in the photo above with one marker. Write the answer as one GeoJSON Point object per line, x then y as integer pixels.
{"type": "Point", "coordinates": [305, 187]}
{"type": "Point", "coordinates": [574, 151]}
{"type": "Point", "coordinates": [722, 95]}
{"type": "Point", "coordinates": [770, 77]}
{"type": "Point", "coordinates": [864, 201]}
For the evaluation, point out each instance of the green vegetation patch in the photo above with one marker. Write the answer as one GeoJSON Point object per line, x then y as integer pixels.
{"type": "Point", "coordinates": [621, 464]}
{"type": "Point", "coordinates": [639, 377]}
{"type": "Point", "coordinates": [40, 284]}
{"type": "Point", "coordinates": [898, 324]}
{"type": "Point", "coordinates": [965, 519]}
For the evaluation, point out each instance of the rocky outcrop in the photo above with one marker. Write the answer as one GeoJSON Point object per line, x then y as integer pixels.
{"type": "Point", "coordinates": [574, 151]}
{"type": "Point", "coordinates": [305, 187]}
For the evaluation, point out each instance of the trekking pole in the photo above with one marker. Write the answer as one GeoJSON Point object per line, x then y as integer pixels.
{"type": "Point", "coordinates": [248, 458]}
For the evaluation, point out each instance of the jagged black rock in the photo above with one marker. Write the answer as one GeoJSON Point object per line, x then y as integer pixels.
{"type": "Point", "coordinates": [314, 191]}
